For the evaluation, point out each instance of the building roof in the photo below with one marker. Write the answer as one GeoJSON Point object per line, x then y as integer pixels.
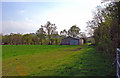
{"type": "Point", "coordinates": [72, 37]}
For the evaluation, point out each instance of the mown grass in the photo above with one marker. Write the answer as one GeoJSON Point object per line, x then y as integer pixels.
{"type": "Point", "coordinates": [54, 60]}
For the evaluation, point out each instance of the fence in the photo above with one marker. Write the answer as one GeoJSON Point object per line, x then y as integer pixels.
{"type": "Point", "coordinates": [118, 62]}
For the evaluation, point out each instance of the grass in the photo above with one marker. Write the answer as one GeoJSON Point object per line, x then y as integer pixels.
{"type": "Point", "coordinates": [53, 60]}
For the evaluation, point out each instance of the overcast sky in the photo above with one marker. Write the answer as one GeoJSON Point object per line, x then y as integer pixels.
{"type": "Point", "coordinates": [27, 17]}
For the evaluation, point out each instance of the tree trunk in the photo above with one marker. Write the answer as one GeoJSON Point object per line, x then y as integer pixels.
{"type": "Point", "coordinates": [51, 41]}
{"type": "Point", "coordinates": [56, 42]}
{"type": "Point", "coordinates": [41, 41]}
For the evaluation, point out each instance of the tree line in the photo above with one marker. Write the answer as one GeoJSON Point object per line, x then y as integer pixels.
{"type": "Point", "coordinates": [105, 28]}
{"type": "Point", "coordinates": [45, 35]}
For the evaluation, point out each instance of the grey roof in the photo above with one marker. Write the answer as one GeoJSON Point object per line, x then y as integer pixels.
{"type": "Point", "coordinates": [72, 37]}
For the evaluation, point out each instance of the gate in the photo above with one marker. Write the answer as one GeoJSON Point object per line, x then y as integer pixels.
{"type": "Point", "coordinates": [118, 62]}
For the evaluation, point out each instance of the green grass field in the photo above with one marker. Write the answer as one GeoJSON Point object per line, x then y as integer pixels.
{"type": "Point", "coordinates": [53, 60]}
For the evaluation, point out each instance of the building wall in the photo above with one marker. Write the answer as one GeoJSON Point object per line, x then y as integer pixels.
{"type": "Point", "coordinates": [70, 41]}
{"type": "Point", "coordinates": [74, 42]}
{"type": "Point", "coordinates": [66, 41]}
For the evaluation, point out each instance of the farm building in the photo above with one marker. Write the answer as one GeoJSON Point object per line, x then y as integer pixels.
{"type": "Point", "coordinates": [72, 41]}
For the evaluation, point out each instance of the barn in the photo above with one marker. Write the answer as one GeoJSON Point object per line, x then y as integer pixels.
{"type": "Point", "coordinates": [72, 41]}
